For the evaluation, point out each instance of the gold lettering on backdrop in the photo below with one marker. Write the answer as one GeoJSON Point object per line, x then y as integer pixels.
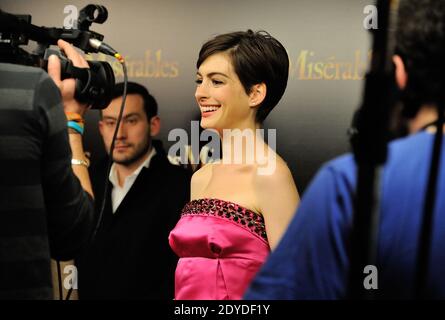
{"type": "Point", "coordinates": [152, 65]}
{"type": "Point", "coordinates": [308, 66]}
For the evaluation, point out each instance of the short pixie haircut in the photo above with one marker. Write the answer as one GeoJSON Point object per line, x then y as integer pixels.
{"type": "Point", "coordinates": [257, 57]}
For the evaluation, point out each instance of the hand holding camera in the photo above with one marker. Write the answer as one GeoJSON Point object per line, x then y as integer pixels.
{"type": "Point", "coordinates": [94, 80]}
{"type": "Point", "coordinates": [67, 86]}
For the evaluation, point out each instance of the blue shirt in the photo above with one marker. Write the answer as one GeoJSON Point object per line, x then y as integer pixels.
{"type": "Point", "coordinates": [312, 261]}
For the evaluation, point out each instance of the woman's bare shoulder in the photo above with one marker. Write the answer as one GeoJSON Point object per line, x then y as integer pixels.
{"type": "Point", "coordinates": [275, 171]}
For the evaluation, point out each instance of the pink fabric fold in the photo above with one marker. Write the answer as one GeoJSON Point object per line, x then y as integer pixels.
{"type": "Point", "coordinates": [218, 256]}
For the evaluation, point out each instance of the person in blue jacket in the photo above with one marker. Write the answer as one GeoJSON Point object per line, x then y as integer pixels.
{"type": "Point", "coordinates": [312, 259]}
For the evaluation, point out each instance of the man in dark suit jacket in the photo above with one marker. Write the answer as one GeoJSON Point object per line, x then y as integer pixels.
{"type": "Point", "coordinates": [130, 257]}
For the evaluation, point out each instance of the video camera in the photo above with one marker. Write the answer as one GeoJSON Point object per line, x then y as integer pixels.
{"type": "Point", "coordinates": [94, 86]}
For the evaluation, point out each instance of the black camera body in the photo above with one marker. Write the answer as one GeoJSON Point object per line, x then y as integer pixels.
{"type": "Point", "coordinates": [94, 85]}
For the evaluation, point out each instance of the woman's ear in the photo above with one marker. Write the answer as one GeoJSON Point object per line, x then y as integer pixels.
{"type": "Point", "coordinates": [401, 75]}
{"type": "Point", "coordinates": [257, 94]}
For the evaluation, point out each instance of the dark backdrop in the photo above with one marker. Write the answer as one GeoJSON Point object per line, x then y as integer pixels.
{"type": "Point", "coordinates": [326, 41]}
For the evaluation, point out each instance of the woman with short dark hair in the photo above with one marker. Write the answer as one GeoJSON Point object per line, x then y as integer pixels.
{"type": "Point", "coordinates": [240, 205]}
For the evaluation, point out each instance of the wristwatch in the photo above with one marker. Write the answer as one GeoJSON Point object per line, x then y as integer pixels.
{"type": "Point", "coordinates": [85, 162]}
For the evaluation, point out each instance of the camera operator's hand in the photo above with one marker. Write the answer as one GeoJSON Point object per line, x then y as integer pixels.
{"type": "Point", "coordinates": [68, 86]}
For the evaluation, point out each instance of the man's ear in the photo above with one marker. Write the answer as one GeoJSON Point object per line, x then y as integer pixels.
{"type": "Point", "coordinates": [155, 126]}
{"type": "Point", "coordinates": [257, 94]}
{"type": "Point", "coordinates": [401, 74]}
{"type": "Point", "coordinates": [101, 127]}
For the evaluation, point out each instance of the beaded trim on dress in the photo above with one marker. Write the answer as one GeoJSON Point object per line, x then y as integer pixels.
{"type": "Point", "coordinates": [229, 210]}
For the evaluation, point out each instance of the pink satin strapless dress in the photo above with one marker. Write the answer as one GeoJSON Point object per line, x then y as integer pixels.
{"type": "Point", "coordinates": [221, 246]}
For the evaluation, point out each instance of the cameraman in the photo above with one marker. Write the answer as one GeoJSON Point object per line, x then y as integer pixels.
{"type": "Point", "coordinates": [44, 209]}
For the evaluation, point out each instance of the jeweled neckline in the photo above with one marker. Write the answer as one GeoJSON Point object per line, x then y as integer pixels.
{"type": "Point", "coordinates": [226, 201]}
{"type": "Point", "coordinates": [249, 219]}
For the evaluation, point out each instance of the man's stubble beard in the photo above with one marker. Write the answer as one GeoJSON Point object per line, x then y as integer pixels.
{"type": "Point", "coordinates": [137, 155]}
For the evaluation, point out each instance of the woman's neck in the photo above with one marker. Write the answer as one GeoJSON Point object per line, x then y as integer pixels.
{"type": "Point", "coordinates": [244, 146]}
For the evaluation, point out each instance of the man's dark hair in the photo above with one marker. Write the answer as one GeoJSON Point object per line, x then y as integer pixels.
{"type": "Point", "coordinates": [256, 57]}
{"type": "Point", "coordinates": [421, 45]}
{"type": "Point", "coordinates": [150, 104]}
